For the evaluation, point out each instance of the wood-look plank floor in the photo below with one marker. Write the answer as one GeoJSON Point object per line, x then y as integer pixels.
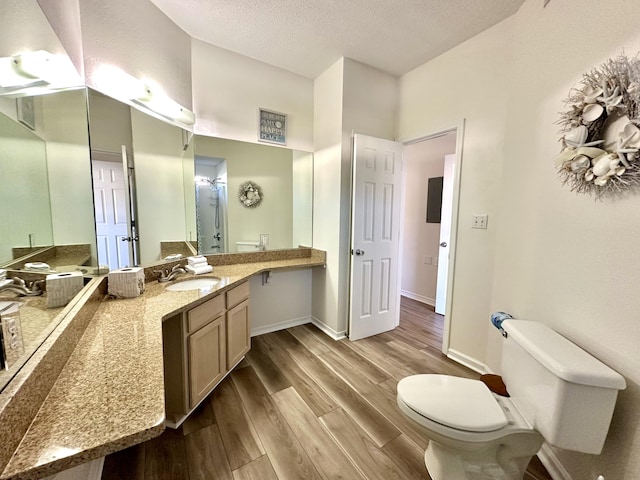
{"type": "Point", "coordinates": [302, 406]}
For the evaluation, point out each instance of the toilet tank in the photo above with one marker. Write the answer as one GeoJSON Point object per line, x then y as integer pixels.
{"type": "Point", "coordinates": [565, 393]}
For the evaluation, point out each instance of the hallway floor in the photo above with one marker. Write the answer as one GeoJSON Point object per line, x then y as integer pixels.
{"type": "Point", "coordinates": [302, 406]}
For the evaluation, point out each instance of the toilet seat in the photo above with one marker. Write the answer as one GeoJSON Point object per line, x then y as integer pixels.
{"type": "Point", "coordinates": [455, 402]}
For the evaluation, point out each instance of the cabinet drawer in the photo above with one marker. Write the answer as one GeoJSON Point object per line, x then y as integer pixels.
{"type": "Point", "coordinates": [201, 315]}
{"type": "Point", "coordinates": [237, 295]}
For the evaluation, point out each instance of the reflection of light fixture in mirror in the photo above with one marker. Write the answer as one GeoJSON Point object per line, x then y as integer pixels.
{"type": "Point", "coordinates": [117, 83]}
{"type": "Point", "coordinates": [34, 73]}
{"type": "Point", "coordinates": [157, 101]}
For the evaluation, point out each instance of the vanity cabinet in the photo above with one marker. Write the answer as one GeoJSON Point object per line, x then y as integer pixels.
{"type": "Point", "coordinates": [201, 346]}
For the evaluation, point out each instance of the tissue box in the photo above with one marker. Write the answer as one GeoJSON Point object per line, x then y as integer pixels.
{"type": "Point", "coordinates": [126, 282]}
{"type": "Point", "coordinates": [11, 333]}
{"type": "Point", "coordinates": [62, 287]}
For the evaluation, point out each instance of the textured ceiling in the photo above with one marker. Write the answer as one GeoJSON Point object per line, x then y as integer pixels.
{"type": "Point", "coordinates": [307, 36]}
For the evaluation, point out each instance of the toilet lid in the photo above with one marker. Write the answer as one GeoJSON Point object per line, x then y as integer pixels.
{"type": "Point", "coordinates": [455, 402]}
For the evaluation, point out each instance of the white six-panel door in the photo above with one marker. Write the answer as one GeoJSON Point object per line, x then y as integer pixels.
{"type": "Point", "coordinates": [375, 236]}
{"type": "Point", "coordinates": [110, 202]}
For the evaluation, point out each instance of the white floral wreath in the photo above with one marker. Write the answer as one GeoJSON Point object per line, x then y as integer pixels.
{"type": "Point", "coordinates": [249, 194]}
{"type": "Point", "coordinates": [606, 95]}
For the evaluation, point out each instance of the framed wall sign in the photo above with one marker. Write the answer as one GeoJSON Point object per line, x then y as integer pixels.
{"type": "Point", "coordinates": [272, 127]}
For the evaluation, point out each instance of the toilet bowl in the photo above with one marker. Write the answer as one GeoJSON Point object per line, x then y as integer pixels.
{"type": "Point", "coordinates": [559, 394]}
{"type": "Point", "coordinates": [474, 434]}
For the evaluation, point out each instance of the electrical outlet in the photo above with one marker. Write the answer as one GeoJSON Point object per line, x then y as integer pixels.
{"type": "Point", "coordinates": [428, 260]}
{"type": "Point", "coordinates": [479, 220]}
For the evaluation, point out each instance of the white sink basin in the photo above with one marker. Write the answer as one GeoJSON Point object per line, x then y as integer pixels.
{"type": "Point", "coordinates": [193, 284]}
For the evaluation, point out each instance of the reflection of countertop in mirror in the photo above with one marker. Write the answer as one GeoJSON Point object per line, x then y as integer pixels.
{"type": "Point", "coordinates": [110, 394]}
{"type": "Point", "coordinates": [56, 256]}
{"type": "Point", "coordinates": [36, 322]}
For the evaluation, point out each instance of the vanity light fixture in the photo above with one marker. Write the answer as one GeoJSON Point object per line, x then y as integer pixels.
{"type": "Point", "coordinates": [157, 101]}
{"type": "Point", "coordinates": [37, 72]}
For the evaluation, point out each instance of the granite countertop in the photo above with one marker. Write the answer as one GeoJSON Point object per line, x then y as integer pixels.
{"type": "Point", "coordinates": [110, 394]}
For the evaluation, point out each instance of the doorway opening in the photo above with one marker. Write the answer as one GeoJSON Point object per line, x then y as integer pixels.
{"type": "Point", "coordinates": [211, 204]}
{"type": "Point", "coordinates": [429, 218]}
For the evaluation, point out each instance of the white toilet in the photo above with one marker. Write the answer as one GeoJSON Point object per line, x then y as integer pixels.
{"type": "Point", "coordinates": [559, 394]}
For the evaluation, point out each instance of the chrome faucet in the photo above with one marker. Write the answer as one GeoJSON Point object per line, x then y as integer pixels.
{"type": "Point", "coordinates": [166, 275]}
{"type": "Point", "coordinates": [20, 287]}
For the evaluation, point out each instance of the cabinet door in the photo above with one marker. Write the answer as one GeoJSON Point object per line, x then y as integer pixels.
{"type": "Point", "coordinates": [238, 333]}
{"type": "Point", "coordinates": [206, 350]}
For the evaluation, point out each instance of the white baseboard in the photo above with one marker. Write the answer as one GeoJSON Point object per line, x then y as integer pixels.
{"type": "Point", "coordinates": [274, 327]}
{"type": "Point", "coordinates": [467, 361]}
{"type": "Point", "coordinates": [328, 330]}
{"type": "Point", "coordinates": [419, 298]}
{"type": "Point", "coordinates": [552, 464]}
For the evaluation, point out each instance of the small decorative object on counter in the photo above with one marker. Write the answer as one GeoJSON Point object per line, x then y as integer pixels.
{"type": "Point", "coordinates": [11, 342]}
{"type": "Point", "coordinates": [600, 135]}
{"type": "Point", "coordinates": [126, 282]}
{"type": "Point", "coordinates": [62, 287]}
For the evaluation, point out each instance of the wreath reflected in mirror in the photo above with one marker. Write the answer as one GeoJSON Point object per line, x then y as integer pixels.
{"type": "Point", "coordinates": [250, 194]}
{"type": "Point", "coordinates": [600, 135]}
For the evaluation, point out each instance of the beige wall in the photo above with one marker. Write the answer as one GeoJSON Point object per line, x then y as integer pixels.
{"type": "Point", "coordinates": [548, 255]}
{"type": "Point", "coordinates": [157, 154]}
{"type": "Point", "coordinates": [420, 239]}
{"type": "Point", "coordinates": [69, 168]}
{"type": "Point", "coordinates": [271, 169]}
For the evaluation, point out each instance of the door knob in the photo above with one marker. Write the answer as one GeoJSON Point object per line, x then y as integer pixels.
{"type": "Point", "coordinates": [358, 252]}
{"type": "Point", "coordinates": [443, 244]}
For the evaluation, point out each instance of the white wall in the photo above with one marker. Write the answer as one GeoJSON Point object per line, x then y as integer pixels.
{"type": "Point", "coordinates": [349, 97]}
{"type": "Point", "coordinates": [69, 168]}
{"type": "Point", "coordinates": [64, 18]}
{"type": "Point", "coordinates": [228, 89]}
{"type": "Point", "coordinates": [549, 254]}
{"type": "Point", "coordinates": [140, 40]}
{"type": "Point", "coordinates": [267, 310]}
{"type": "Point", "coordinates": [561, 258]}
{"type": "Point", "coordinates": [24, 27]}
{"type": "Point", "coordinates": [469, 82]}
{"type": "Point", "coordinates": [327, 138]}
{"type": "Point", "coordinates": [420, 239]}
{"type": "Point", "coordinates": [157, 153]}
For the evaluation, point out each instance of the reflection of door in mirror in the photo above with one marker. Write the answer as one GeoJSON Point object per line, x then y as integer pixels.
{"type": "Point", "coordinates": [110, 200]}
{"type": "Point", "coordinates": [211, 204]}
{"type": "Point", "coordinates": [111, 140]}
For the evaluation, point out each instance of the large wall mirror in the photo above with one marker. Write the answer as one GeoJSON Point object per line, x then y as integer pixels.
{"type": "Point", "coordinates": [47, 213]}
{"type": "Point", "coordinates": [284, 178]}
{"type": "Point", "coordinates": [161, 191]}
{"type": "Point", "coordinates": [45, 178]}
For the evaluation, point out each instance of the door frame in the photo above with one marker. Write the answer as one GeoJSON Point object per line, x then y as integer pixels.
{"type": "Point", "coordinates": [459, 130]}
